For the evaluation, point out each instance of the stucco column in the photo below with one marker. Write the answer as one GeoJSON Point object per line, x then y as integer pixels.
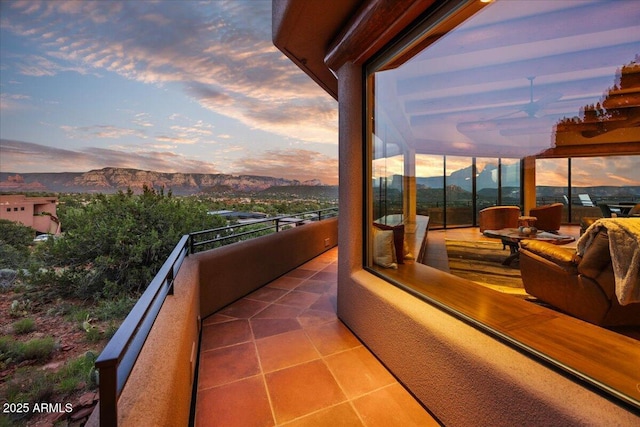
{"type": "Point", "coordinates": [351, 169]}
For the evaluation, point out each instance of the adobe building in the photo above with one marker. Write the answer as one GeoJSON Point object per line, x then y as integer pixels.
{"type": "Point", "coordinates": [423, 84]}
{"type": "Point", "coordinates": [38, 213]}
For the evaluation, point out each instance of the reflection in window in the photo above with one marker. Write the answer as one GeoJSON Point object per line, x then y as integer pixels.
{"type": "Point", "coordinates": [552, 185]}
{"type": "Point", "coordinates": [459, 180]}
{"type": "Point", "coordinates": [594, 184]}
{"type": "Point", "coordinates": [430, 188]}
{"type": "Point", "coordinates": [505, 103]}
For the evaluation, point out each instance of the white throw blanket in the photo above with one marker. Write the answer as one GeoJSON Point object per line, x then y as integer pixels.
{"type": "Point", "coordinates": [624, 246]}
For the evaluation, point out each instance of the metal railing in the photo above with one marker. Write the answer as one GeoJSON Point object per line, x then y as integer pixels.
{"type": "Point", "coordinates": [209, 239]}
{"type": "Point", "coordinates": [116, 361]}
{"type": "Point", "coordinates": [118, 358]}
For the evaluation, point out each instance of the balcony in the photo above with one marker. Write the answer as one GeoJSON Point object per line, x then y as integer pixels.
{"type": "Point", "coordinates": [280, 356]}
{"type": "Point", "coordinates": [261, 315]}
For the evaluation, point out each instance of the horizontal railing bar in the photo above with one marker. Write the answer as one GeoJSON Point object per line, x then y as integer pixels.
{"type": "Point", "coordinates": [278, 223]}
{"type": "Point", "coordinates": [258, 221]}
{"type": "Point", "coordinates": [232, 236]}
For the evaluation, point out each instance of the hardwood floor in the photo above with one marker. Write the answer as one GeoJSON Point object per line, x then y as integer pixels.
{"type": "Point", "coordinates": [599, 355]}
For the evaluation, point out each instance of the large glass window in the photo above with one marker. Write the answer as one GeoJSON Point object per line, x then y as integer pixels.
{"type": "Point", "coordinates": [589, 186]}
{"type": "Point", "coordinates": [502, 103]}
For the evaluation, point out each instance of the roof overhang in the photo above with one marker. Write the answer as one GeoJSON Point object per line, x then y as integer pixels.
{"type": "Point", "coordinates": [304, 30]}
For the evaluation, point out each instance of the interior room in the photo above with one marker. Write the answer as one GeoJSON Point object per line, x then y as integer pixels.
{"type": "Point", "coordinates": [511, 134]}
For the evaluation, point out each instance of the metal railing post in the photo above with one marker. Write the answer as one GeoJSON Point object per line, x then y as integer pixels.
{"type": "Point", "coordinates": [108, 393]}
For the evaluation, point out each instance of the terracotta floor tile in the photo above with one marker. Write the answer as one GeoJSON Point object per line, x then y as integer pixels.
{"type": "Point", "coordinates": [326, 302]}
{"type": "Point", "coordinates": [358, 371]}
{"type": "Point", "coordinates": [285, 350]}
{"type": "Point", "coordinates": [332, 337]}
{"type": "Point", "coordinates": [300, 273]}
{"type": "Point", "coordinates": [267, 294]}
{"type": "Point", "coordinates": [277, 311]}
{"type": "Point", "coordinates": [392, 406]}
{"type": "Point", "coordinates": [285, 329]}
{"type": "Point", "coordinates": [227, 364]}
{"type": "Point", "coordinates": [223, 334]}
{"type": "Point", "coordinates": [341, 415]}
{"type": "Point", "coordinates": [263, 328]}
{"type": "Point", "coordinates": [310, 318]}
{"type": "Point", "coordinates": [315, 286]}
{"type": "Point", "coordinates": [239, 404]}
{"type": "Point", "coordinates": [315, 265]}
{"type": "Point", "coordinates": [216, 318]}
{"type": "Point", "coordinates": [332, 268]}
{"type": "Point", "coordinates": [298, 299]}
{"type": "Point", "coordinates": [325, 275]}
{"type": "Point", "coordinates": [286, 283]}
{"type": "Point", "coordinates": [244, 308]}
{"type": "Point", "coordinates": [302, 389]}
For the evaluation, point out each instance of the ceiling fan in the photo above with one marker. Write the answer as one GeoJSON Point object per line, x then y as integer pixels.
{"type": "Point", "coordinates": [532, 110]}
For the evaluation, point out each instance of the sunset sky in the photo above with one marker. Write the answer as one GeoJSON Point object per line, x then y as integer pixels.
{"type": "Point", "coordinates": [167, 86]}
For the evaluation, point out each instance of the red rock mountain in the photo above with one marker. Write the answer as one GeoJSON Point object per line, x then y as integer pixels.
{"type": "Point", "coordinates": [110, 180]}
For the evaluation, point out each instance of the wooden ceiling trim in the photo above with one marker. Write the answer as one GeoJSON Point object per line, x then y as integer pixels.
{"type": "Point", "coordinates": [374, 25]}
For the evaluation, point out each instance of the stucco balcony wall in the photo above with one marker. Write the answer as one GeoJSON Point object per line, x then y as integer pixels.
{"type": "Point", "coordinates": [231, 272]}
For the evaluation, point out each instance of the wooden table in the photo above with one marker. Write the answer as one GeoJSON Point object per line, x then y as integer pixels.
{"type": "Point", "coordinates": [512, 237]}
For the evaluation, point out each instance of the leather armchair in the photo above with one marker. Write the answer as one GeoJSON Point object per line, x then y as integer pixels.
{"type": "Point", "coordinates": [497, 217]}
{"type": "Point", "coordinates": [582, 287]}
{"type": "Point", "coordinates": [548, 217]}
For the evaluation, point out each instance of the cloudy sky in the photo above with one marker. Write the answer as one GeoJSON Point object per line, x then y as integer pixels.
{"type": "Point", "coordinates": [190, 86]}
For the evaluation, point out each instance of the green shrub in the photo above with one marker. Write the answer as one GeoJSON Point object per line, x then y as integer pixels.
{"type": "Point", "coordinates": [114, 245]}
{"type": "Point", "coordinates": [24, 326]}
{"type": "Point", "coordinates": [39, 349]}
{"type": "Point", "coordinates": [114, 309]}
{"type": "Point", "coordinates": [20, 307]}
{"type": "Point", "coordinates": [93, 334]}
{"type": "Point", "coordinates": [15, 240]}
{"type": "Point", "coordinates": [13, 351]}
{"type": "Point", "coordinates": [111, 330]}
{"type": "Point", "coordinates": [78, 315]}
{"type": "Point", "coordinates": [76, 373]}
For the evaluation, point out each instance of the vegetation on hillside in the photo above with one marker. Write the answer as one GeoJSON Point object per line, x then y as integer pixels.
{"type": "Point", "coordinates": [15, 240]}
{"type": "Point", "coordinates": [114, 245]}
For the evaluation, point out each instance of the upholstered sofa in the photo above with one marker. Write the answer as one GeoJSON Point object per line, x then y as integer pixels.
{"type": "Point", "coordinates": [497, 217]}
{"type": "Point", "coordinates": [582, 286]}
{"type": "Point", "coordinates": [548, 217]}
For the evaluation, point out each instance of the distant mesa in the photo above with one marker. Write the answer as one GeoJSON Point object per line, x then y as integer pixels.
{"type": "Point", "coordinates": [17, 183]}
{"type": "Point", "coordinates": [112, 180]}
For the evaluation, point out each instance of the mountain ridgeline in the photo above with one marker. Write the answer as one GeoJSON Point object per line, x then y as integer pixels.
{"type": "Point", "coordinates": [112, 180]}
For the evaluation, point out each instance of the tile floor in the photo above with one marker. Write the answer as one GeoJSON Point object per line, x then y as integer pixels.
{"type": "Point", "coordinates": [281, 357]}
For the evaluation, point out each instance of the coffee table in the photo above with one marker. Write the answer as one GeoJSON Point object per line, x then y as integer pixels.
{"type": "Point", "coordinates": [512, 237]}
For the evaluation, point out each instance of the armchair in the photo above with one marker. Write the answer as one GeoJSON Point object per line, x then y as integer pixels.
{"type": "Point", "coordinates": [497, 217]}
{"type": "Point", "coordinates": [548, 217]}
{"type": "Point", "coordinates": [584, 287]}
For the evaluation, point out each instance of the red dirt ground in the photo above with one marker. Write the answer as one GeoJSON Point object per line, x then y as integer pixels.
{"type": "Point", "coordinates": [71, 342]}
